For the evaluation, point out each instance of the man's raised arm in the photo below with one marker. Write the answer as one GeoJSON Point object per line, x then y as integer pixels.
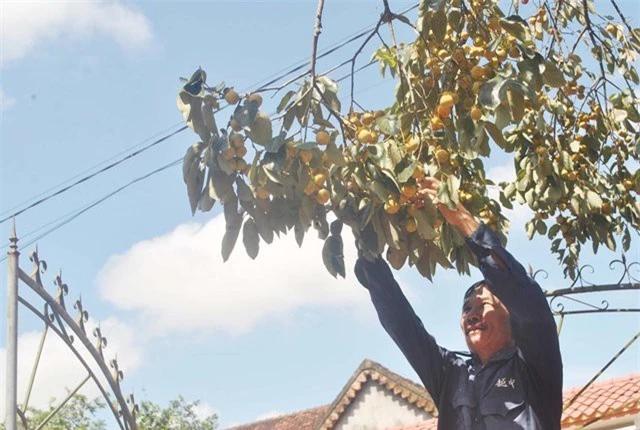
{"type": "Point", "coordinates": [403, 325]}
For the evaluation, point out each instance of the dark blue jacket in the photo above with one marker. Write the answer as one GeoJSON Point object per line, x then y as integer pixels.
{"type": "Point", "coordinates": [520, 387]}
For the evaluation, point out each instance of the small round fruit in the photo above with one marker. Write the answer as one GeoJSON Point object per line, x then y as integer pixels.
{"type": "Point", "coordinates": [476, 113]}
{"type": "Point", "coordinates": [228, 153]}
{"type": "Point", "coordinates": [447, 100]}
{"type": "Point", "coordinates": [236, 139]}
{"type": "Point", "coordinates": [262, 193]}
{"type": "Point", "coordinates": [367, 119]}
{"type": "Point", "coordinates": [364, 135]}
{"type": "Point", "coordinates": [412, 144]}
{"type": "Point", "coordinates": [391, 206]}
{"type": "Point", "coordinates": [306, 156]}
{"type": "Point", "coordinates": [255, 98]}
{"type": "Point", "coordinates": [319, 179]}
{"type": "Point", "coordinates": [436, 123]}
{"type": "Point", "coordinates": [409, 191]}
{"type": "Point", "coordinates": [310, 188]}
{"type": "Point", "coordinates": [442, 155]}
{"type": "Point", "coordinates": [443, 111]}
{"type": "Point", "coordinates": [241, 151]}
{"type": "Point", "coordinates": [478, 72]}
{"type": "Point", "coordinates": [418, 173]}
{"type": "Point", "coordinates": [235, 125]}
{"type": "Point", "coordinates": [410, 225]}
{"type": "Point", "coordinates": [323, 138]}
{"type": "Point", "coordinates": [231, 97]}
{"type": "Point", "coordinates": [323, 196]}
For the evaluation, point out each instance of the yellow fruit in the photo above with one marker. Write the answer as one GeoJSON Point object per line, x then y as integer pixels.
{"type": "Point", "coordinates": [231, 97]}
{"type": "Point", "coordinates": [418, 173]}
{"type": "Point", "coordinates": [542, 151]}
{"type": "Point", "coordinates": [514, 52]}
{"type": "Point", "coordinates": [240, 165]}
{"type": "Point", "coordinates": [447, 100]}
{"type": "Point", "coordinates": [310, 188]}
{"type": "Point", "coordinates": [478, 72]}
{"type": "Point", "coordinates": [323, 196]}
{"type": "Point", "coordinates": [442, 155]}
{"type": "Point", "coordinates": [374, 137]}
{"type": "Point", "coordinates": [367, 119]}
{"type": "Point", "coordinates": [409, 191]}
{"type": "Point", "coordinates": [256, 98]}
{"type": "Point", "coordinates": [611, 29]}
{"type": "Point", "coordinates": [476, 113]}
{"type": "Point", "coordinates": [391, 206]}
{"type": "Point", "coordinates": [322, 137]}
{"type": "Point", "coordinates": [413, 144]}
{"type": "Point", "coordinates": [319, 179]}
{"type": "Point", "coordinates": [306, 156]}
{"type": "Point", "coordinates": [410, 225]}
{"type": "Point", "coordinates": [436, 123]}
{"type": "Point", "coordinates": [262, 193]}
{"type": "Point", "coordinates": [236, 139]}
{"type": "Point", "coordinates": [235, 125]}
{"type": "Point", "coordinates": [443, 111]}
{"type": "Point", "coordinates": [228, 153]}
{"type": "Point", "coordinates": [443, 53]}
{"type": "Point", "coordinates": [627, 184]}
{"type": "Point", "coordinates": [241, 151]}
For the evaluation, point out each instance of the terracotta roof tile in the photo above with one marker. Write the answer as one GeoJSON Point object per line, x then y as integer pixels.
{"type": "Point", "coordinates": [613, 398]}
{"type": "Point", "coordinates": [307, 419]}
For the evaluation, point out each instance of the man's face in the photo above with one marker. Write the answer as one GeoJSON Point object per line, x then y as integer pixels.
{"type": "Point", "coordinates": [486, 324]}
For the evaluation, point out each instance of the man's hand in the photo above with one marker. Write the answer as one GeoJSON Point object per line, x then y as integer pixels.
{"type": "Point", "coordinates": [460, 218]}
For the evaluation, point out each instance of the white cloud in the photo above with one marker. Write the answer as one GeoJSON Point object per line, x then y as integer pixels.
{"type": "Point", "coordinates": [506, 173]}
{"type": "Point", "coordinates": [6, 102]}
{"type": "Point", "coordinates": [178, 281]}
{"type": "Point", "coordinates": [26, 24]}
{"type": "Point", "coordinates": [60, 370]}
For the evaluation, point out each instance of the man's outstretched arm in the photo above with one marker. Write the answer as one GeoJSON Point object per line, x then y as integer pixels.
{"type": "Point", "coordinates": [403, 325]}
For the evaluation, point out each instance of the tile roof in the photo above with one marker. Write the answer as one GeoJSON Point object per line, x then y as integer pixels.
{"type": "Point", "coordinates": [408, 390]}
{"type": "Point", "coordinates": [307, 419]}
{"type": "Point", "coordinates": [613, 398]}
{"type": "Point", "coordinates": [609, 399]}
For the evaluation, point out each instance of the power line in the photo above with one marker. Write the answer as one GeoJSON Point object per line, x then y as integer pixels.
{"type": "Point", "coordinates": [79, 212]}
{"type": "Point", "coordinates": [66, 181]}
{"type": "Point", "coordinates": [131, 155]}
{"type": "Point", "coordinates": [86, 178]}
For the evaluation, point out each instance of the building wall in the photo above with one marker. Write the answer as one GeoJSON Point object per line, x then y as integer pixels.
{"type": "Point", "coordinates": [376, 408]}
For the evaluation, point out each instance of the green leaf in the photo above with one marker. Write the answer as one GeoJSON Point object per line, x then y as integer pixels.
{"type": "Point", "coordinates": [388, 124]}
{"type": "Point", "coordinates": [552, 75]}
{"type": "Point", "coordinates": [231, 236]}
{"type": "Point", "coordinates": [261, 130]}
{"type": "Point", "coordinates": [263, 225]}
{"type": "Point", "coordinates": [334, 155]}
{"type": "Point", "coordinates": [250, 238]}
{"type": "Point", "coordinates": [593, 200]}
{"type": "Point", "coordinates": [193, 174]}
{"type": "Point", "coordinates": [516, 105]}
{"type": "Point", "coordinates": [285, 100]}
{"type": "Point", "coordinates": [396, 257]}
{"type": "Point", "coordinates": [406, 173]}
{"type": "Point", "coordinates": [244, 192]}
{"type": "Point", "coordinates": [517, 27]}
{"type": "Point", "coordinates": [333, 256]}
{"type": "Point", "coordinates": [276, 143]}
{"type": "Point", "coordinates": [425, 227]}
{"type": "Point", "coordinates": [438, 24]}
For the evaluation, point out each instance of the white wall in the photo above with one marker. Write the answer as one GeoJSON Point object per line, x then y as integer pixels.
{"type": "Point", "coordinates": [376, 408]}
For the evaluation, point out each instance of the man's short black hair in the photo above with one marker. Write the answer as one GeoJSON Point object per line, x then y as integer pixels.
{"type": "Point", "coordinates": [471, 289]}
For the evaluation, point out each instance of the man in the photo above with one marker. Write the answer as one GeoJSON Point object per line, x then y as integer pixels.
{"type": "Point", "coordinates": [514, 377]}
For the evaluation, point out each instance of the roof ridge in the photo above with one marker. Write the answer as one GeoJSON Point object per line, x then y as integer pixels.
{"type": "Point", "coordinates": [278, 417]}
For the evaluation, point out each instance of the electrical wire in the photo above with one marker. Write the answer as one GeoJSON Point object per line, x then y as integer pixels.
{"type": "Point", "coordinates": [84, 209]}
{"type": "Point", "coordinates": [74, 214]}
{"type": "Point", "coordinates": [329, 51]}
{"type": "Point", "coordinates": [92, 175]}
{"type": "Point", "coordinates": [66, 181]}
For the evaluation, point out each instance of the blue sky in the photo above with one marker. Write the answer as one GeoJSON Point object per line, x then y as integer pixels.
{"type": "Point", "coordinates": [82, 82]}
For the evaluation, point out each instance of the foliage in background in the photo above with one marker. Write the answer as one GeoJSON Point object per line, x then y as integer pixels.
{"type": "Point", "coordinates": [554, 83]}
{"type": "Point", "coordinates": [80, 414]}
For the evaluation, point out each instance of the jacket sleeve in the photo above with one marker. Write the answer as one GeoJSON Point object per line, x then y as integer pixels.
{"type": "Point", "coordinates": [426, 357]}
{"type": "Point", "coordinates": [535, 329]}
